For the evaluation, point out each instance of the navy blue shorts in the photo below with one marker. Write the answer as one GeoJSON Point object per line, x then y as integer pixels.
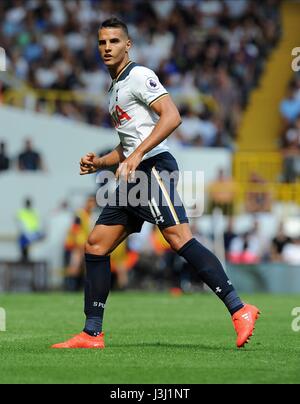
{"type": "Point", "coordinates": [155, 197]}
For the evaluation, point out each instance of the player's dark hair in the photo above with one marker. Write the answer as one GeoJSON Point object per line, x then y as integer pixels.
{"type": "Point", "coordinates": [114, 22]}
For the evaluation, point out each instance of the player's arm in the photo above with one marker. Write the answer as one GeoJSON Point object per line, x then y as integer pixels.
{"type": "Point", "coordinates": [169, 120]}
{"type": "Point", "coordinates": [90, 163]}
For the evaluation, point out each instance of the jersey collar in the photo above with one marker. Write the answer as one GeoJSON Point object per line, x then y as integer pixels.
{"type": "Point", "coordinates": [123, 73]}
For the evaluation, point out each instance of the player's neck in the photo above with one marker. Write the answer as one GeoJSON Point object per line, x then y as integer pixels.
{"type": "Point", "coordinates": [114, 71]}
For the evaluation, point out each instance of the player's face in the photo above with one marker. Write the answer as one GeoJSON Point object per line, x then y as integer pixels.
{"type": "Point", "coordinates": [113, 46]}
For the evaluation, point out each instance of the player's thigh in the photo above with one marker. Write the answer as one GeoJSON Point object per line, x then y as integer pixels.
{"type": "Point", "coordinates": [177, 236]}
{"type": "Point", "coordinates": [104, 239]}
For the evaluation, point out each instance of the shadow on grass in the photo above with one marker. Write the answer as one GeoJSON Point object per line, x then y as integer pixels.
{"type": "Point", "coordinates": [39, 348]}
{"type": "Point", "coordinates": [201, 347]}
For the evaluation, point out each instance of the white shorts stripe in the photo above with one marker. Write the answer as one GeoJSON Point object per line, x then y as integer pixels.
{"type": "Point", "coordinates": [156, 208]}
{"type": "Point", "coordinates": [166, 195]}
{"type": "Point", "coordinates": [152, 210]}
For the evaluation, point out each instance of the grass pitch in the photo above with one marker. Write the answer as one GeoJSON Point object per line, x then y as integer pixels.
{"type": "Point", "coordinates": [151, 338]}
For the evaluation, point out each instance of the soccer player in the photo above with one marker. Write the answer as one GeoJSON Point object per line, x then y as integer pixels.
{"type": "Point", "coordinates": [144, 116]}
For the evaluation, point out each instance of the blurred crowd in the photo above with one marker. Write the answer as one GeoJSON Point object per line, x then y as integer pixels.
{"type": "Point", "coordinates": [226, 194]}
{"type": "Point", "coordinates": [290, 141]}
{"type": "Point", "coordinates": [154, 264]}
{"type": "Point", "coordinates": [145, 260]}
{"type": "Point", "coordinates": [212, 51]}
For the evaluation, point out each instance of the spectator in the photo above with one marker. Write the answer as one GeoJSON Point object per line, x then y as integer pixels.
{"type": "Point", "coordinates": [291, 155]}
{"type": "Point", "coordinates": [189, 132]}
{"type": "Point", "coordinates": [123, 261]}
{"type": "Point", "coordinates": [29, 228]}
{"type": "Point", "coordinates": [4, 159]}
{"type": "Point", "coordinates": [196, 130]}
{"type": "Point", "coordinates": [259, 197]}
{"type": "Point", "coordinates": [74, 245]}
{"type": "Point", "coordinates": [29, 159]}
{"type": "Point", "coordinates": [278, 244]}
{"type": "Point", "coordinates": [290, 106]}
{"type": "Point", "coordinates": [228, 96]}
{"type": "Point", "coordinates": [291, 253]}
{"type": "Point", "coordinates": [222, 193]}
{"type": "Point", "coordinates": [247, 249]}
{"type": "Point", "coordinates": [292, 135]}
{"type": "Point", "coordinates": [229, 235]}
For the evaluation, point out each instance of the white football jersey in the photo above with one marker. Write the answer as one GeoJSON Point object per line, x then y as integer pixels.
{"type": "Point", "coordinates": [130, 98]}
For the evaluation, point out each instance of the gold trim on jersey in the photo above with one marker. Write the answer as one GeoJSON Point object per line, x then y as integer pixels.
{"type": "Point", "coordinates": [158, 98]}
{"type": "Point", "coordinates": [166, 195]}
{"type": "Point", "coordinates": [122, 71]}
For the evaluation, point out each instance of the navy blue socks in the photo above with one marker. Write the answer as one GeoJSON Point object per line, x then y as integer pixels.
{"type": "Point", "coordinates": [212, 273]}
{"type": "Point", "coordinates": [98, 282]}
{"type": "Point", "coordinates": [97, 287]}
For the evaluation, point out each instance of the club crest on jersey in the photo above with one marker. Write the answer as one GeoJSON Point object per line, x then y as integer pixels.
{"type": "Point", "coordinates": [152, 84]}
{"type": "Point", "coordinates": [119, 115]}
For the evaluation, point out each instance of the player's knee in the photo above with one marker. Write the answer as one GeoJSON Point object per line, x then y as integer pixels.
{"type": "Point", "coordinates": [176, 241]}
{"type": "Point", "coordinates": [95, 246]}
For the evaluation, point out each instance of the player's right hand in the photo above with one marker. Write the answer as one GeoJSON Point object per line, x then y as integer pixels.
{"type": "Point", "coordinates": [89, 164]}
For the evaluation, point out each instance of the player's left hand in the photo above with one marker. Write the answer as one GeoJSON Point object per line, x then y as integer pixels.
{"type": "Point", "coordinates": [126, 170]}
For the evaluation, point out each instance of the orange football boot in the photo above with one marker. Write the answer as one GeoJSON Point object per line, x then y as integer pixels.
{"type": "Point", "coordinates": [244, 322]}
{"type": "Point", "coordinates": [82, 340]}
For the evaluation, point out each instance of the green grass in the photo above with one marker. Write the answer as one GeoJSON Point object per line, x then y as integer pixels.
{"type": "Point", "coordinates": [151, 338]}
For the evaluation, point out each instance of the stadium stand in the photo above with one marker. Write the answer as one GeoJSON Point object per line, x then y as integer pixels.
{"type": "Point", "coordinates": [211, 50]}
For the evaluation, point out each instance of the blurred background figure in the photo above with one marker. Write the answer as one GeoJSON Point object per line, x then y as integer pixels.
{"type": "Point", "coordinates": [248, 248]}
{"type": "Point", "coordinates": [259, 198]}
{"type": "Point", "coordinates": [222, 193]}
{"type": "Point", "coordinates": [4, 159]}
{"type": "Point", "coordinates": [197, 129]}
{"type": "Point", "coordinates": [278, 244]}
{"type": "Point", "coordinates": [29, 159]}
{"type": "Point", "coordinates": [291, 155]}
{"type": "Point", "coordinates": [290, 106]}
{"type": "Point", "coordinates": [291, 253]}
{"type": "Point", "coordinates": [229, 235]}
{"type": "Point", "coordinates": [123, 261]}
{"type": "Point", "coordinates": [29, 228]}
{"type": "Point", "coordinates": [74, 245]}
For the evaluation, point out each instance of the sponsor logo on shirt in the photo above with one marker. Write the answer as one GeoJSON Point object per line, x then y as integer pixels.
{"type": "Point", "coordinates": [118, 116]}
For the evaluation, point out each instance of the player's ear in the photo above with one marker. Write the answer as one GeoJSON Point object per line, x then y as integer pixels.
{"type": "Point", "coordinates": [128, 45]}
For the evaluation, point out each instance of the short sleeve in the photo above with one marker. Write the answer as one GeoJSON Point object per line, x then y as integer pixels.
{"type": "Point", "coordinates": [145, 85]}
